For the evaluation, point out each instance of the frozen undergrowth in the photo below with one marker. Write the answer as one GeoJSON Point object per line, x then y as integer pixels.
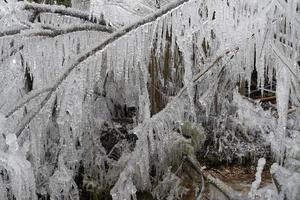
{"type": "Point", "coordinates": [66, 133]}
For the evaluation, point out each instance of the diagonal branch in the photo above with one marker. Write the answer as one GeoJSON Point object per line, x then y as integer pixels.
{"type": "Point", "coordinates": [228, 54]}
{"type": "Point", "coordinates": [26, 99]}
{"type": "Point", "coordinates": [115, 36]}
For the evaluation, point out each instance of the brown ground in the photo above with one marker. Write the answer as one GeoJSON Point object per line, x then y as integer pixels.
{"type": "Point", "coordinates": [238, 177]}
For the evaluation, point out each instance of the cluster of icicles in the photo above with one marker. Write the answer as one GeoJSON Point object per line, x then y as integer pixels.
{"type": "Point", "coordinates": [256, 28]}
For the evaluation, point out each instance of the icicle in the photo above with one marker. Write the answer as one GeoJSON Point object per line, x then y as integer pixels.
{"type": "Point", "coordinates": [282, 98]}
{"type": "Point", "coordinates": [20, 171]}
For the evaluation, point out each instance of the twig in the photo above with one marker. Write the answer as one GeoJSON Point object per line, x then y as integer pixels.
{"type": "Point", "coordinates": [12, 32]}
{"type": "Point", "coordinates": [207, 69]}
{"type": "Point", "coordinates": [26, 99]}
{"type": "Point", "coordinates": [263, 99]}
{"type": "Point", "coordinates": [202, 187]}
{"type": "Point", "coordinates": [291, 110]}
{"type": "Point", "coordinates": [81, 27]}
{"type": "Point", "coordinates": [50, 31]}
{"type": "Point", "coordinates": [286, 62]}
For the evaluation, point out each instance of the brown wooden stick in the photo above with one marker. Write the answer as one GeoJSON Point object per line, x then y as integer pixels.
{"type": "Point", "coordinates": [229, 192]}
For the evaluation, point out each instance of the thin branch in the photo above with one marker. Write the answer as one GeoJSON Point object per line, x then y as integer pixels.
{"type": "Point", "coordinates": [210, 66]}
{"type": "Point", "coordinates": [61, 10]}
{"type": "Point", "coordinates": [115, 36]}
{"type": "Point", "coordinates": [263, 99]}
{"type": "Point", "coordinates": [128, 8]}
{"type": "Point", "coordinates": [80, 27]}
{"type": "Point", "coordinates": [291, 110]}
{"type": "Point", "coordinates": [202, 188]}
{"type": "Point", "coordinates": [12, 32]}
{"type": "Point", "coordinates": [50, 31]}
{"type": "Point", "coordinates": [25, 121]}
{"type": "Point", "coordinates": [286, 62]}
{"type": "Point", "coordinates": [26, 99]}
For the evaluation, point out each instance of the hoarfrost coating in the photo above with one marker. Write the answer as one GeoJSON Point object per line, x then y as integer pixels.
{"type": "Point", "coordinates": [61, 90]}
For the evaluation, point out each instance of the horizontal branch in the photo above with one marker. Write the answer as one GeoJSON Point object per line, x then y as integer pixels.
{"type": "Point", "coordinates": [61, 10]}
{"type": "Point", "coordinates": [80, 27]}
{"type": "Point", "coordinates": [12, 32]}
{"type": "Point", "coordinates": [51, 31]}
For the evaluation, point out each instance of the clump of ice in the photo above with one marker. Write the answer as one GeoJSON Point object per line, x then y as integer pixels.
{"type": "Point", "coordinates": [256, 183]}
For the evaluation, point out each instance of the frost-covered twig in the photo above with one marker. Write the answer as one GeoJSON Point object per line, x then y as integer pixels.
{"type": "Point", "coordinates": [42, 8]}
{"type": "Point", "coordinates": [50, 31]}
{"type": "Point", "coordinates": [113, 37]}
{"type": "Point", "coordinates": [53, 31]}
{"type": "Point", "coordinates": [284, 60]}
{"type": "Point", "coordinates": [230, 53]}
{"type": "Point", "coordinates": [26, 99]}
{"type": "Point", "coordinates": [80, 27]}
{"type": "Point", "coordinates": [128, 8]}
{"type": "Point", "coordinates": [12, 32]}
{"type": "Point", "coordinates": [24, 123]}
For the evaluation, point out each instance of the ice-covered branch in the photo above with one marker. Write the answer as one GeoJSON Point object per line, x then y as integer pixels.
{"type": "Point", "coordinates": [50, 31]}
{"type": "Point", "coordinates": [12, 32]}
{"type": "Point", "coordinates": [228, 54]}
{"type": "Point", "coordinates": [113, 37]}
{"type": "Point", "coordinates": [26, 99]}
{"type": "Point", "coordinates": [61, 10]}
